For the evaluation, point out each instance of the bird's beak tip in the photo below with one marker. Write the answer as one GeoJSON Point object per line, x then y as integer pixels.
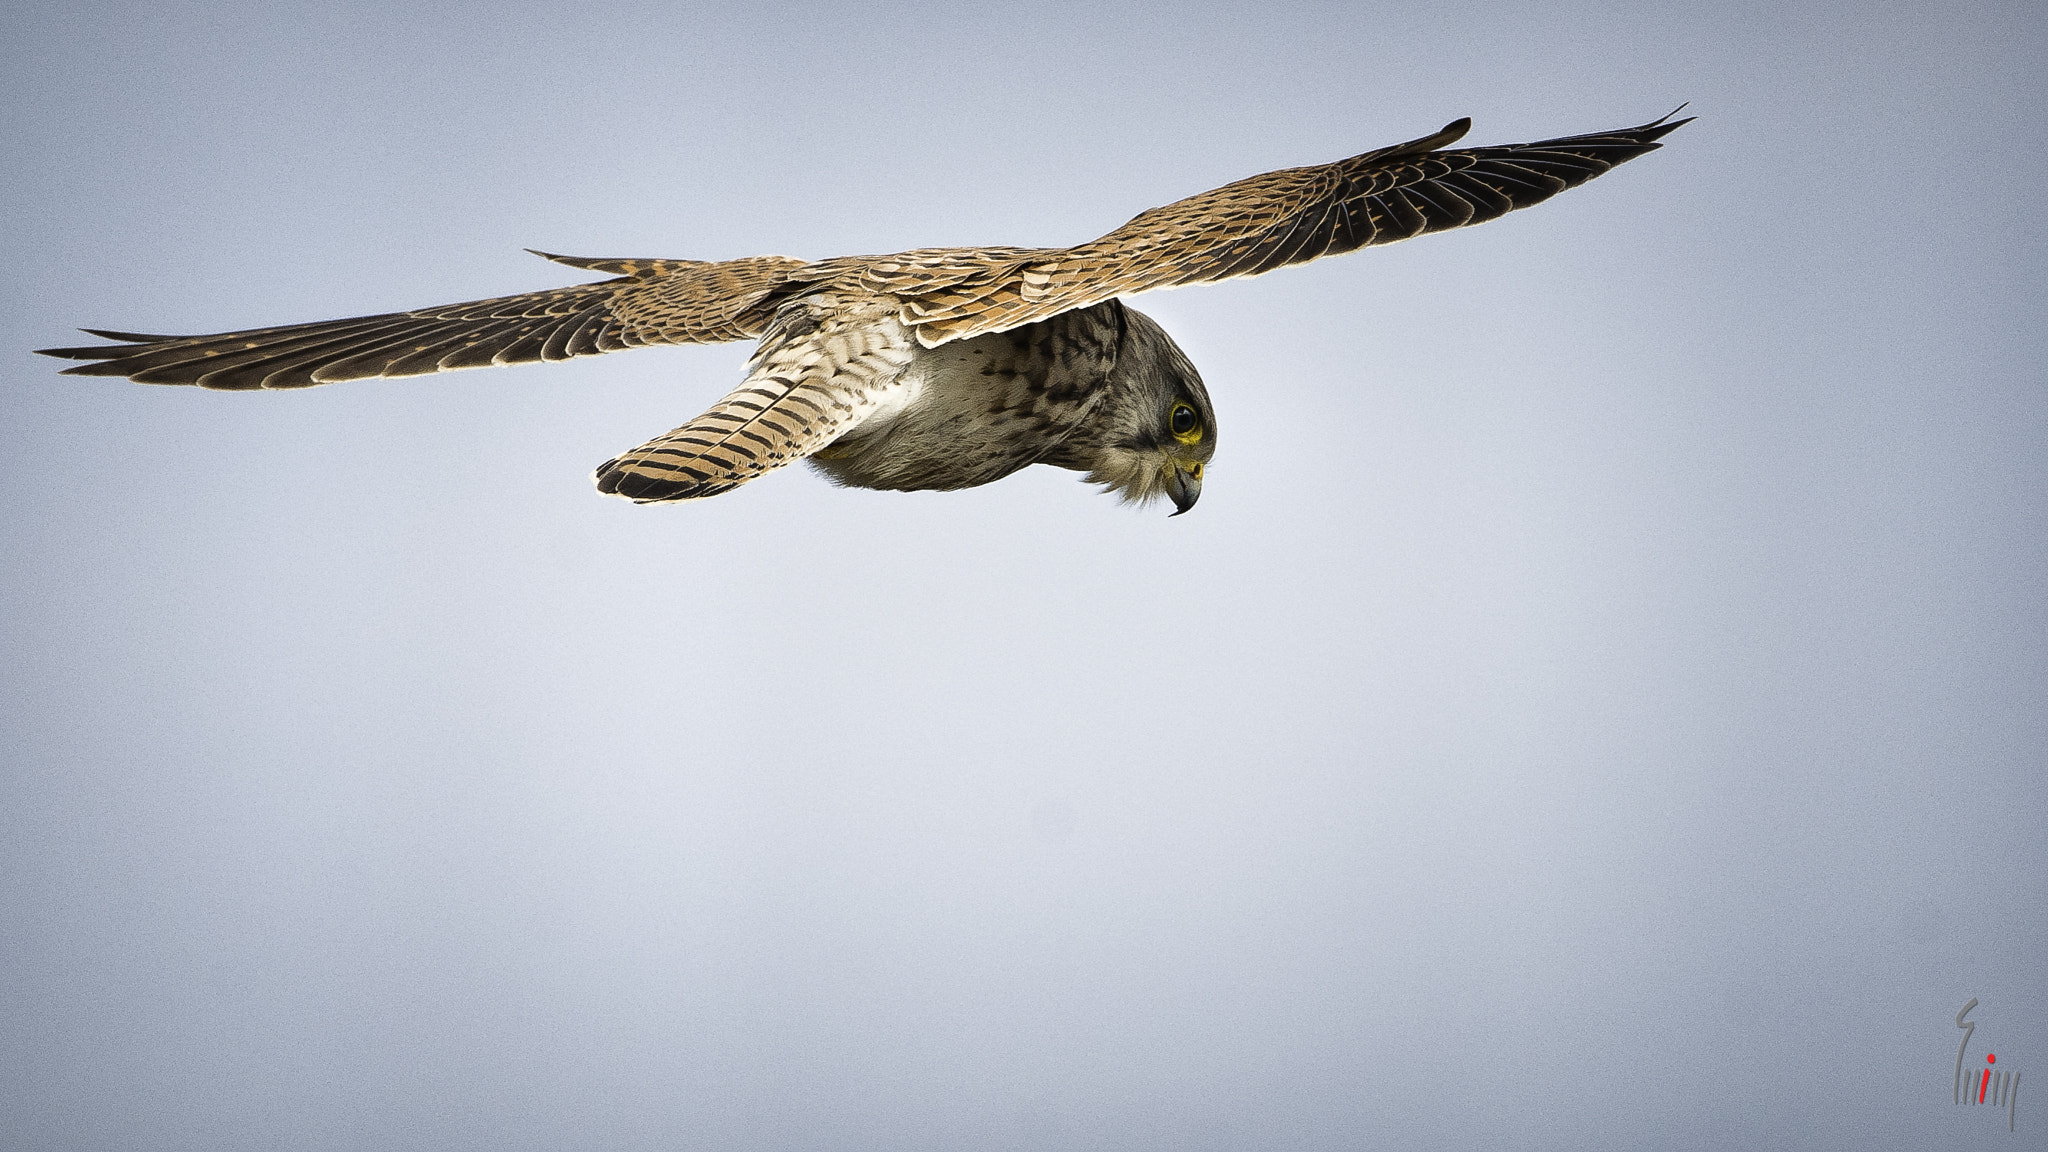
{"type": "Point", "coordinates": [1183, 489]}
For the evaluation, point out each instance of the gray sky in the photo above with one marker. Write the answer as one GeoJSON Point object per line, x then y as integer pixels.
{"type": "Point", "coordinates": [1600, 700]}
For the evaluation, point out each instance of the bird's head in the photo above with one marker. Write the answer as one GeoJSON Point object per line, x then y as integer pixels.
{"type": "Point", "coordinates": [1156, 430]}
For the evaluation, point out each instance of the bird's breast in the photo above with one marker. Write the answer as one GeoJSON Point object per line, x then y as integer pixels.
{"type": "Point", "coordinates": [973, 411]}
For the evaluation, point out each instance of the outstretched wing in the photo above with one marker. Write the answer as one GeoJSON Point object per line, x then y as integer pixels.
{"type": "Point", "coordinates": [651, 302]}
{"type": "Point", "coordinates": [1258, 224]}
{"type": "Point", "coordinates": [825, 362]}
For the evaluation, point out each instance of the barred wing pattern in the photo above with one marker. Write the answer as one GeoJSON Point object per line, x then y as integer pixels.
{"type": "Point", "coordinates": [1247, 228]}
{"type": "Point", "coordinates": [651, 302]}
{"type": "Point", "coordinates": [838, 334]}
{"type": "Point", "coordinates": [824, 364]}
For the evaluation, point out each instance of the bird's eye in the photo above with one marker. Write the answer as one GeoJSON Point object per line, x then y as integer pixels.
{"type": "Point", "coordinates": [1186, 426]}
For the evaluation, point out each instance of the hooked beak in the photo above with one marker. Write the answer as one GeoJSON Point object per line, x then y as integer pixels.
{"type": "Point", "coordinates": [1184, 485]}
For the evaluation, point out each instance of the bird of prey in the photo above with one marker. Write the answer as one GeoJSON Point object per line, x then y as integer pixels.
{"type": "Point", "coordinates": [937, 368]}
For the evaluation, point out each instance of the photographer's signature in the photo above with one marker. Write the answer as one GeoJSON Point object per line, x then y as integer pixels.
{"type": "Point", "coordinates": [1989, 1084]}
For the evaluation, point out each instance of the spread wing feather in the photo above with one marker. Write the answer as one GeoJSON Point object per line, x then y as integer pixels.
{"type": "Point", "coordinates": [651, 302]}
{"type": "Point", "coordinates": [1250, 227]}
{"type": "Point", "coordinates": [1246, 228]}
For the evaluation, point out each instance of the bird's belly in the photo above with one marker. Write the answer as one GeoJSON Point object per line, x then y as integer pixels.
{"type": "Point", "coordinates": [963, 414]}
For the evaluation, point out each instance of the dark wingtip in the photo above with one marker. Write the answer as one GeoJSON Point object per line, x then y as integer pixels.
{"type": "Point", "coordinates": [130, 337]}
{"type": "Point", "coordinates": [1662, 126]}
{"type": "Point", "coordinates": [97, 368]}
{"type": "Point", "coordinates": [104, 351]}
{"type": "Point", "coordinates": [113, 357]}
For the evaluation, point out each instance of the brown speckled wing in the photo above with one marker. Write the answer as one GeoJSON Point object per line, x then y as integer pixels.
{"type": "Point", "coordinates": [825, 363]}
{"type": "Point", "coordinates": [651, 302]}
{"type": "Point", "coordinates": [1243, 229]}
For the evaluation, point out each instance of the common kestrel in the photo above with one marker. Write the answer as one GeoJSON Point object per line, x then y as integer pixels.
{"type": "Point", "coordinates": [938, 368]}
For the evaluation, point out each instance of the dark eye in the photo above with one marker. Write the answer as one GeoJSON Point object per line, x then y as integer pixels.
{"type": "Point", "coordinates": [1184, 421]}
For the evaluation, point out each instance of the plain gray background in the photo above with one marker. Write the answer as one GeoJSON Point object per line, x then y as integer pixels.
{"type": "Point", "coordinates": [1599, 701]}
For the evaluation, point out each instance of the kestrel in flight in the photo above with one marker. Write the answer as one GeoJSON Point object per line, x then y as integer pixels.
{"type": "Point", "coordinates": [938, 368]}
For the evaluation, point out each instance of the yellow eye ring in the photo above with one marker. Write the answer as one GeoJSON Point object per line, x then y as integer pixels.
{"type": "Point", "coordinates": [1186, 426]}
